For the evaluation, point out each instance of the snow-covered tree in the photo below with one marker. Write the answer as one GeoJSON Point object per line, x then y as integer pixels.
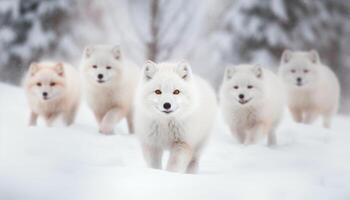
{"type": "Point", "coordinates": [32, 29]}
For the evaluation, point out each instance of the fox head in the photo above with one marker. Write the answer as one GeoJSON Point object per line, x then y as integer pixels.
{"type": "Point", "coordinates": [102, 64]}
{"type": "Point", "coordinates": [167, 89]}
{"type": "Point", "coordinates": [243, 84]}
{"type": "Point", "coordinates": [46, 81]}
{"type": "Point", "coordinates": [299, 69]}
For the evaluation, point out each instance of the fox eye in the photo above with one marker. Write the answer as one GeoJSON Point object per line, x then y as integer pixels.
{"type": "Point", "coordinates": [52, 84]}
{"type": "Point", "coordinates": [94, 66]}
{"type": "Point", "coordinates": [292, 70]}
{"type": "Point", "coordinates": [235, 87]}
{"type": "Point", "coordinates": [249, 86]}
{"type": "Point", "coordinates": [176, 92]}
{"type": "Point", "coordinates": [108, 67]}
{"type": "Point", "coordinates": [158, 92]}
{"type": "Point", "coordinates": [38, 84]}
{"type": "Point", "coordinates": [306, 71]}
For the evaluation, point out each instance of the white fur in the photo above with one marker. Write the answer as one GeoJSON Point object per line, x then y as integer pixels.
{"type": "Point", "coordinates": [318, 92]}
{"type": "Point", "coordinates": [111, 99]}
{"type": "Point", "coordinates": [63, 97]}
{"type": "Point", "coordinates": [184, 130]}
{"type": "Point", "coordinates": [261, 109]}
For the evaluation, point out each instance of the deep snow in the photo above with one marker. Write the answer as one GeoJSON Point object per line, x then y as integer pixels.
{"type": "Point", "coordinates": [78, 163]}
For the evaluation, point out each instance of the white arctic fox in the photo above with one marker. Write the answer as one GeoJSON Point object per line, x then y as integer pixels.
{"type": "Point", "coordinates": [313, 89]}
{"type": "Point", "coordinates": [175, 111]}
{"type": "Point", "coordinates": [252, 101]}
{"type": "Point", "coordinates": [52, 89]}
{"type": "Point", "coordinates": [110, 83]}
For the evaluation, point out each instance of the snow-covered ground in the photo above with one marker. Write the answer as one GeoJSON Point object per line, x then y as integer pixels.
{"type": "Point", "coordinates": [77, 163]}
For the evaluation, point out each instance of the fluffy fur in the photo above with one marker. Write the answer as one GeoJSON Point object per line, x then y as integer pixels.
{"type": "Point", "coordinates": [110, 83]}
{"type": "Point", "coordinates": [175, 111]}
{"type": "Point", "coordinates": [52, 89]}
{"type": "Point", "coordinates": [252, 101]}
{"type": "Point", "coordinates": [313, 89]}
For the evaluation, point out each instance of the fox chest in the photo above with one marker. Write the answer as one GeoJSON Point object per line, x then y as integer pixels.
{"type": "Point", "coordinates": [301, 99]}
{"type": "Point", "coordinates": [165, 133]}
{"type": "Point", "coordinates": [245, 118]}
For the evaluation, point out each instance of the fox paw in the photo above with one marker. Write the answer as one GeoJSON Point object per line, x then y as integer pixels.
{"type": "Point", "coordinates": [106, 130]}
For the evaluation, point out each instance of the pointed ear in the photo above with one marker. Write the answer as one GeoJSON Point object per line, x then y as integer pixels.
{"type": "Point", "coordinates": [88, 51]}
{"type": "Point", "coordinates": [286, 56]}
{"type": "Point", "coordinates": [229, 72]}
{"type": "Point", "coordinates": [117, 54]}
{"type": "Point", "coordinates": [184, 70]}
{"type": "Point", "coordinates": [59, 68]}
{"type": "Point", "coordinates": [314, 56]}
{"type": "Point", "coordinates": [34, 68]}
{"type": "Point", "coordinates": [257, 70]}
{"type": "Point", "coordinates": [149, 70]}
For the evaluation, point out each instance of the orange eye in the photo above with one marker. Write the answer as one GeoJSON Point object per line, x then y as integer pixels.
{"type": "Point", "coordinates": [38, 84]}
{"type": "Point", "coordinates": [52, 84]}
{"type": "Point", "coordinates": [158, 92]}
{"type": "Point", "coordinates": [236, 87]}
{"type": "Point", "coordinates": [176, 92]}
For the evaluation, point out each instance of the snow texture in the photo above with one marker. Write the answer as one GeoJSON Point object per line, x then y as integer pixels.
{"type": "Point", "coordinates": [78, 163]}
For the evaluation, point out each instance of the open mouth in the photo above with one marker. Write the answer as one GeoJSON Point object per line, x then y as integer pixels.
{"type": "Point", "coordinates": [167, 111]}
{"type": "Point", "coordinates": [244, 101]}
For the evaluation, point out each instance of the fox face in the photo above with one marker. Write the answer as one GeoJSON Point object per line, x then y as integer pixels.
{"type": "Point", "coordinates": [167, 89]}
{"type": "Point", "coordinates": [298, 68]}
{"type": "Point", "coordinates": [243, 84]}
{"type": "Point", "coordinates": [46, 83]}
{"type": "Point", "coordinates": [102, 64]}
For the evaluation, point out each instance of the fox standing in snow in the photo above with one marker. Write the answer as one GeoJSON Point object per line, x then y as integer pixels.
{"type": "Point", "coordinates": [110, 84]}
{"type": "Point", "coordinates": [313, 89]}
{"type": "Point", "coordinates": [52, 89]}
{"type": "Point", "coordinates": [175, 111]}
{"type": "Point", "coordinates": [252, 101]}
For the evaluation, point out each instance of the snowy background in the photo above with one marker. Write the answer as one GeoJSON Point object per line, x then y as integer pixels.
{"type": "Point", "coordinates": [78, 163]}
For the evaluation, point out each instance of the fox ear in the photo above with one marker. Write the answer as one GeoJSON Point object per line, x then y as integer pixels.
{"type": "Point", "coordinates": [149, 70]}
{"type": "Point", "coordinates": [117, 54]}
{"type": "Point", "coordinates": [184, 70]}
{"type": "Point", "coordinates": [286, 56]}
{"type": "Point", "coordinates": [229, 72]}
{"type": "Point", "coordinates": [34, 68]}
{"type": "Point", "coordinates": [314, 56]}
{"type": "Point", "coordinates": [257, 70]}
{"type": "Point", "coordinates": [88, 51]}
{"type": "Point", "coordinates": [59, 68]}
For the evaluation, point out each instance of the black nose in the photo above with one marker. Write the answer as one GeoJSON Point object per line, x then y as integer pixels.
{"type": "Point", "coordinates": [167, 106]}
{"type": "Point", "coordinates": [241, 96]}
{"type": "Point", "coordinates": [100, 76]}
{"type": "Point", "coordinates": [44, 94]}
{"type": "Point", "coordinates": [299, 79]}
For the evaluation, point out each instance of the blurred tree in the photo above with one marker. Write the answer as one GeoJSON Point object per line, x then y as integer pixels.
{"type": "Point", "coordinates": [32, 29]}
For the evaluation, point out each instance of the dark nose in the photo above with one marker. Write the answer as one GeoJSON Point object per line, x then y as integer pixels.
{"type": "Point", "coordinates": [167, 106]}
{"type": "Point", "coordinates": [44, 94]}
{"type": "Point", "coordinates": [100, 76]}
{"type": "Point", "coordinates": [241, 96]}
{"type": "Point", "coordinates": [299, 79]}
